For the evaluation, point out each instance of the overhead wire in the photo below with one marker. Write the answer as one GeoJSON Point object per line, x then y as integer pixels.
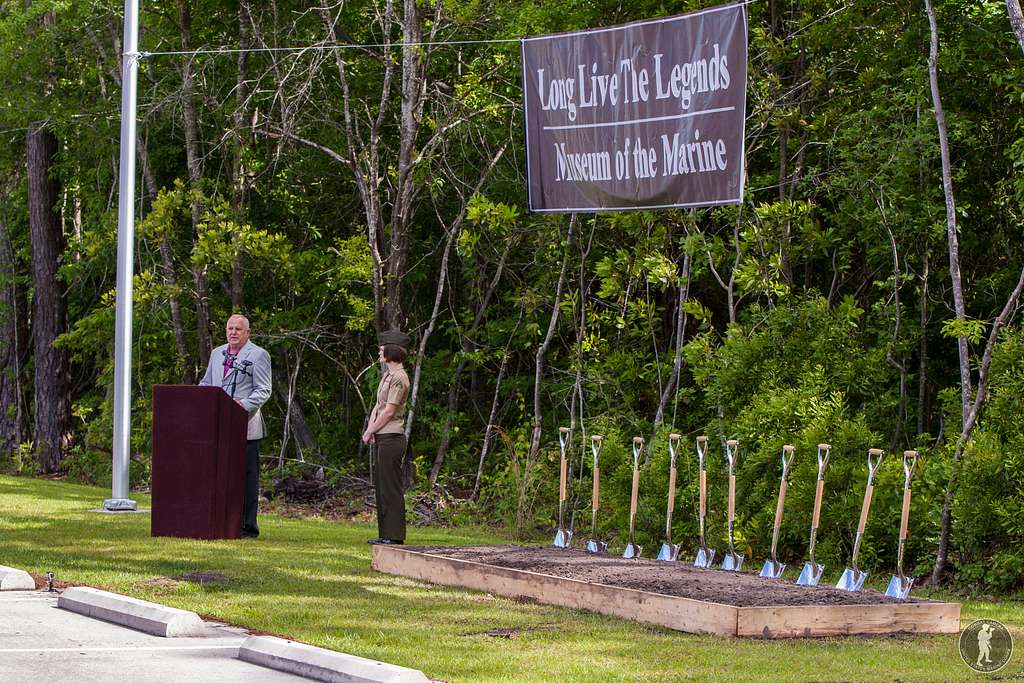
{"type": "Point", "coordinates": [385, 45]}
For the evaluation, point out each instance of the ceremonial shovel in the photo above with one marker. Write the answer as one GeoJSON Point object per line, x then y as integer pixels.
{"type": "Point", "coordinates": [811, 574]}
{"type": "Point", "coordinates": [669, 550]}
{"type": "Point", "coordinates": [594, 545]}
{"type": "Point", "coordinates": [772, 568]}
{"type": "Point", "coordinates": [632, 549]}
{"type": "Point", "coordinates": [563, 536]}
{"type": "Point", "coordinates": [732, 562]}
{"type": "Point", "coordinates": [705, 555]}
{"type": "Point", "coordinates": [853, 578]}
{"type": "Point", "coordinates": [899, 585]}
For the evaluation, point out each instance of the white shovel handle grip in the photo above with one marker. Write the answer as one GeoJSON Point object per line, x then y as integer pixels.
{"type": "Point", "coordinates": [817, 503]}
{"type": "Point", "coordinates": [905, 515]}
{"type": "Point", "coordinates": [595, 496]}
{"type": "Point", "coordinates": [864, 509]}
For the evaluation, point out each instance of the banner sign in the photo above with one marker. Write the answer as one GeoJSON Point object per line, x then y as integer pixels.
{"type": "Point", "coordinates": [642, 116]}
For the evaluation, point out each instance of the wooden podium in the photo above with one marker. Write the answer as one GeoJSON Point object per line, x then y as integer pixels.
{"type": "Point", "coordinates": [198, 462]}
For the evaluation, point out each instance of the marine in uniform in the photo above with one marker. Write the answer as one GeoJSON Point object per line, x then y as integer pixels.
{"type": "Point", "coordinates": [386, 432]}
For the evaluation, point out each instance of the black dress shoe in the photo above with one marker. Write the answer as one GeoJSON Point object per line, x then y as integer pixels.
{"type": "Point", "coordinates": [384, 541]}
{"type": "Point", "coordinates": [249, 534]}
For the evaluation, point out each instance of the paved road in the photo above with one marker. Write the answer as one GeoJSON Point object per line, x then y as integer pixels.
{"type": "Point", "coordinates": [40, 643]}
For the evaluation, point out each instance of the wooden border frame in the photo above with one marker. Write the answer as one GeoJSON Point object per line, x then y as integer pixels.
{"type": "Point", "coordinates": [680, 614]}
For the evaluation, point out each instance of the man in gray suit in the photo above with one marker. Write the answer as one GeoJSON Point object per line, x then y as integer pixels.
{"type": "Point", "coordinates": [242, 369]}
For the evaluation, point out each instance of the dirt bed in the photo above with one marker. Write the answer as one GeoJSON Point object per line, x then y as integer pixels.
{"type": "Point", "coordinates": [679, 579]}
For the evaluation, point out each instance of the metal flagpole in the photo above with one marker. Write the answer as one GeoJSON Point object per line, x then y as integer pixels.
{"type": "Point", "coordinates": [119, 500]}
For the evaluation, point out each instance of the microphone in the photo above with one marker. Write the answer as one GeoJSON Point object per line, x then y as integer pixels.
{"type": "Point", "coordinates": [229, 364]}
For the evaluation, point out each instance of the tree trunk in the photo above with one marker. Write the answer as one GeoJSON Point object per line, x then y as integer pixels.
{"type": "Point", "coordinates": [414, 61]}
{"type": "Point", "coordinates": [952, 237]}
{"type": "Point", "coordinates": [49, 308]}
{"type": "Point", "coordinates": [453, 390]}
{"type": "Point", "coordinates": [942, 554]}
{"type": "Point", "coordinates": [442, 278]}
{"type": "Point", "coordinates": [1016, 20]}
{"type": "Point", "coordinates": [285, 376]}
{"type": "Point", "coordinates": [677, 362]}
{"type": "Point", "coordinates": [240, 181]}
{"type": "Point", "coordinates": [543, 348]}
{"type": "Point", "coordinates": [14, 353]}
{"type": "Point", "coordinates": [489, 428]}
{"type": "Point", "coordinates": [922, 354]}
{"type": "Point", "coordinates": [167, 269]}
{"type": "Point", "coordinates": [195, 173]}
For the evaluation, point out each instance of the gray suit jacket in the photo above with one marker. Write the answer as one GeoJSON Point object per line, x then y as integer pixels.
{"type": "Point", "coordinates": [250, 379]}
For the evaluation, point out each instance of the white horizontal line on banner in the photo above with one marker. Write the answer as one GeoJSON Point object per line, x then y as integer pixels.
{"type": "Point", "coordinates": [576, 126]}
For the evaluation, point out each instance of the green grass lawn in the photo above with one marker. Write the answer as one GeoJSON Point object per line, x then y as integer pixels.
{"type": "Point", "coordinates": [310, 580]}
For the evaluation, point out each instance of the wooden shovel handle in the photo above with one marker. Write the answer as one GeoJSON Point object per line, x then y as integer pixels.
{"type": "Point", "coordinates": [817, 503]}
{"type": "Point", "coordinates": [562, 479]}
{"type": "Point", "coordinates": [703, 492]}
{"type": "Point", "coordinates": [905, 515]}
{"type": "Point", "coordinates": [635, 493]}
{"type": "Point", "coordinates": [595, 496]}
{"type": "Point", "coordinates": [779, 505]}
{"type": "Point", "coordinates": [864, 509]}
{"type": "Point", "coordinates": [732, 497]}
{"type": "Point", "coordinates": [671, 491]}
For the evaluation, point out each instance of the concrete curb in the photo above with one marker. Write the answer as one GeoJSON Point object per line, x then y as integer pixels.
{"type": "Point", "coordinates": [148, 617]}
{"type": "Point", "coordinates": [12, 579]}
{"type": "Point", "coordinates": [322, 665]}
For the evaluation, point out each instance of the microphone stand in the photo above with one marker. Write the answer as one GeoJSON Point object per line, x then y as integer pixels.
{"type": "Point", "coordinates": [229, 360]}
{"type": "Point", "coordinates": [246, 364]}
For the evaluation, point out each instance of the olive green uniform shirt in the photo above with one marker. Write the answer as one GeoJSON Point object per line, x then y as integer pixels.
{"type": "Point", "coordinates": [393, 388]}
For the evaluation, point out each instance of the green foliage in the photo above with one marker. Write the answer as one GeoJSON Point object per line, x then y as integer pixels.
{"type": "Point", "coordinates": [990, 500]}
{"type": "Point", "coordinates": [973, 330]}
{"type": "Point", "coordinates": [816, 311]}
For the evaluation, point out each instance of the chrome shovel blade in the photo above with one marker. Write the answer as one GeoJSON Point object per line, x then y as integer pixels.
{"type": "Point", "coordinates": [669, 552]}
{"type": "Point", "coordinates": [851, 580]}
{"type": "Point", "coordinates": [811, 574]}
{"type": "Point", "coordinates": [732, 562]}
{"type": "Point", "coordinates": [899, 587]}
{"type": "Point", "coordinates": [632, 551]}
{"type": "Point", "coordinates": [595, 546]}
{"type": "Point", "coordinates": [563, 539]}
{"type": "Point", "coordinates": [773, 570]}
{"type": "Point", "coordinates": [705, 558]}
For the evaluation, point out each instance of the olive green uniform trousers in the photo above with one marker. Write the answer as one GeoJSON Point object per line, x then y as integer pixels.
{"type": "Point", "coordinates": [388, 483]}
